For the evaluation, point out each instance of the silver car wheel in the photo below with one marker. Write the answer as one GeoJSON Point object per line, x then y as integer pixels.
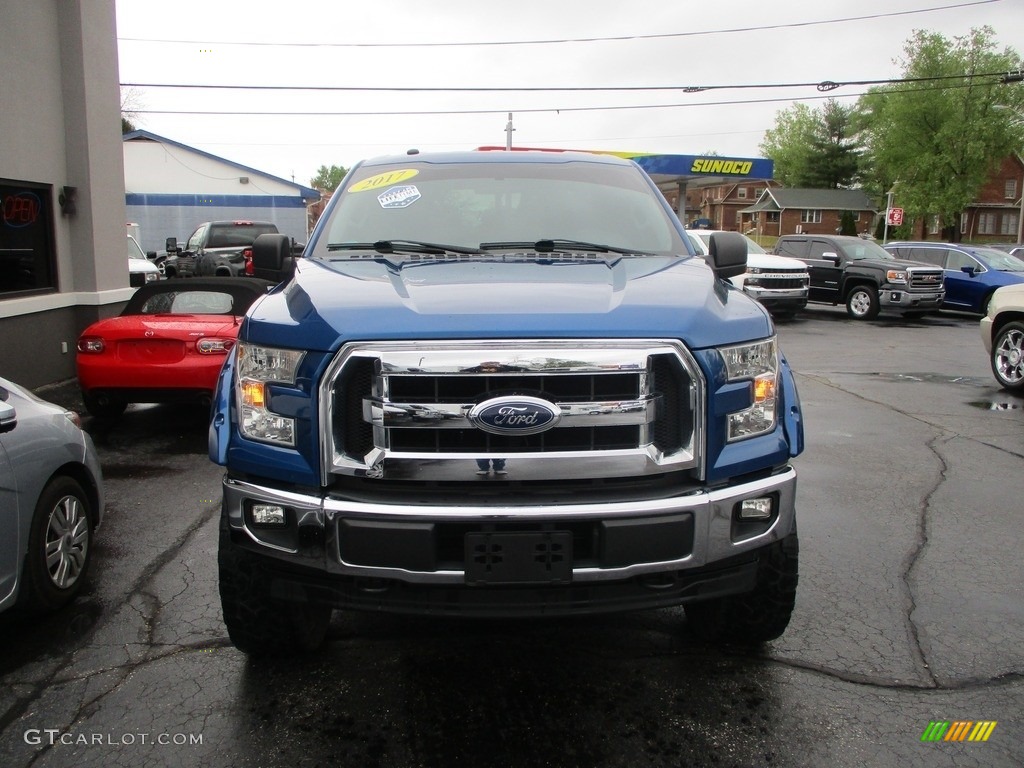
{"type": "Point", "coordinates": [67, 542]}
{"type": "Point", "coordinates": [1008, 357]}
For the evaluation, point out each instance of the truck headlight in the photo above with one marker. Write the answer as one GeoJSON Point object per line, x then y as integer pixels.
{"type": "Point", "coordinates": [896, 276]}
{"type": "Point", "coordinates": [257, 367]}
{"type": "Point", "coordinates": [758, 363]}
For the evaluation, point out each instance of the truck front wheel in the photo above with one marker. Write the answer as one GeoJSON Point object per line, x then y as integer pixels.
{"type": "Point", "coordinates": [758, 616]}
{"type": "Point", "coordinates": [862, 303]}
{"type": "Point", "coordinates": [257, 623]}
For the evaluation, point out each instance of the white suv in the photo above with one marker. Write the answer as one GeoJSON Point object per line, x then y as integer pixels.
{"type": "Point", "coordinates": [779, 282]}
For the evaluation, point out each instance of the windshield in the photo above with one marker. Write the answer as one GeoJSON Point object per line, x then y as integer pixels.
{"type": "Point", "coordinates": [134, 250]}
{"type": "Point", "coordinates": [999, 261]}
{"type": "Point", "coordinates": [499, 206]}
{"type": "Point", "coordinates": [865, 249]}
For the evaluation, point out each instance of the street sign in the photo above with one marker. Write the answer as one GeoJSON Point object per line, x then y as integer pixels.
{"type": "Point", "coordinates": [895, 217]}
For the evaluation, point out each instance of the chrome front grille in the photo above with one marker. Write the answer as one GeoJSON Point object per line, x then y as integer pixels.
{"type": "Point", "coordinates": [403, 410]}
{"type": "Point", "coordinates": [925, 279]}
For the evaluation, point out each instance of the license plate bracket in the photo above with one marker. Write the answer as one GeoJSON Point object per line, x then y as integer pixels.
{"type": "Point", "coordinates": [534, 557]}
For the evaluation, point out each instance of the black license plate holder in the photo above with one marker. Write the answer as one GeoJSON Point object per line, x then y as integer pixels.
{"type": "Point", "coordinates": [534, 557]}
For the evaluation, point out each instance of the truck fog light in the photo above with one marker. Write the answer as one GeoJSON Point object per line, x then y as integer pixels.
{"type": "Point", "coordinates": [756, 509]}
{"type": "Point", "coordinates": [268, 514]}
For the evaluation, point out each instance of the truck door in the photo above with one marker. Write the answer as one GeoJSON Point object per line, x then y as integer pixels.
{"type": "Point", "coordinates": [826, 272]}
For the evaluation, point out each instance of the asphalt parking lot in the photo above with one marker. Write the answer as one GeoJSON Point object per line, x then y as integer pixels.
{"type": "Point", "coordinates": [910, 612]}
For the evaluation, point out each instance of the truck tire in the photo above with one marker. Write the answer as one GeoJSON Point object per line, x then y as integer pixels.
{"type": "Point", "coordinates": [758, 616]}
{"type": "Point", "coordinates": [862, 303]}
{"type": "Point", "coordinates": [1008, 357]}
{"type": "Point", "coordinates": [258, 624]}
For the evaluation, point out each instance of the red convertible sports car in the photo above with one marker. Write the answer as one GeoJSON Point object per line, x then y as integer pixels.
{"type": "Point", "coordinates": [167, 345]}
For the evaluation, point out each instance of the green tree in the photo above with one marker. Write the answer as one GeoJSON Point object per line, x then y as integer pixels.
{"type": "Point", "coordinates": [814, 148]}
{"type": "Point", "coordinates": [834, 150]}
{"type": "Point", "coordinates": [847, 224]}
{"type": "Point", "coordinates": [789, 143]}
{"type": "Point", "coordinates": [935, 141]}
{"type": "Point", "coordinates": [328, 179]}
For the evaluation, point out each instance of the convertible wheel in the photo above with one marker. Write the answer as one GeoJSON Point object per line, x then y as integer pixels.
{"type": "Point", "coordinates": [104, 406]}
{"type": "Point", "coordinates": [862, 303]}
{"type": "Point", "coordinates": [757, 616]}
{"type": "Point", "coordinates": [258, 624]}
{"type": "Point", "coordinates": [59, 546]}
{"type": "Point", "coordinates": [1008, 357]}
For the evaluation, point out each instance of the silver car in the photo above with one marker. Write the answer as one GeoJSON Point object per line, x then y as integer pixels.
{"type": "Point", "coordinates": [51, 501]}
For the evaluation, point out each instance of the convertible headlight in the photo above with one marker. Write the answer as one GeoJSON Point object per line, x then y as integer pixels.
{"type": "Point", "coordinates": [759, 364]}
{"type": "Point", "coordinates": [257, 367]}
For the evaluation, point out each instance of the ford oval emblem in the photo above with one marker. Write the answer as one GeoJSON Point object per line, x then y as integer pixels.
{"type": "Point", "coordinates": [515, 415]}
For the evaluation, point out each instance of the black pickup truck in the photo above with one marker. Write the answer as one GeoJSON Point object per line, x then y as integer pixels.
{"type": "Point", "coordinates": [864, 276]}
{"type": "Point", "coordinates": [216, 249]}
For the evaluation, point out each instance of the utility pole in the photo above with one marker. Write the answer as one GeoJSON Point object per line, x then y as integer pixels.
{"type": "Point", "coordinates": [508, 133]}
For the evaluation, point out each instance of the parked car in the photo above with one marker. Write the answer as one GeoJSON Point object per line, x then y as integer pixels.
{"type": "Point", "coordinates": [140, 269]}
{"type": "Point", "coordinates": [862, 275]}
{"type": "Point", "coordinates": [167, 345]}
{"type": "Point", "coordinates": [216, 249]}
{"type": "Point", "coordinates": [973, 272]}
{"type": "Point", "coordinates": [1015, 249]}
{"type": "Point", "coordinates": [778, 282]}
{"type": "Point", "coordinates": [51, 501]}
{"type": "Point", "coordinates": [1002, 333]}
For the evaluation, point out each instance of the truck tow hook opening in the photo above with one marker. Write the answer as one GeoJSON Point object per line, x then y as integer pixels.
{"type": "Point", "coordinates": [659, 581]}
{"type": "Point", "coordinates": [374, 586]}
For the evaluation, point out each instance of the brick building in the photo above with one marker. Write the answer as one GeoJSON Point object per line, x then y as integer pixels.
{"type": "Point", "coordinates": [780, 211]}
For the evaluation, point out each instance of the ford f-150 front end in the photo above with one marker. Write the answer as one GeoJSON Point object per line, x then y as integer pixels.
{"type": "Point", "coordinates": [499, 384]}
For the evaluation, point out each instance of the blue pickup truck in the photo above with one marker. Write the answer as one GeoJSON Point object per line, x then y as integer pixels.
{"type": "Point", "coordinates": [502, 384]}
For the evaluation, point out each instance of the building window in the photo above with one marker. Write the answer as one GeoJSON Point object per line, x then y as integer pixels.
{"type": "Point", "coordinates": [1010, 223]}
{"type": "Point", "coordinates": [986, 223]}
{"type": "Point", "coordinates": [771, 217]}
{"type": "Point", "coordinates": [1010, 189]}
{"type": "Point", "coordinates": [810, 217]}
{"type": "Point", "coordinates": [26, 238]}
{"type": "Point", "coordinates": [741, 192]}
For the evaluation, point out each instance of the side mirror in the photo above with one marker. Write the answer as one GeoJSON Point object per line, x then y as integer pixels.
{"type": "Point", "coordinates": [830, 256]}
{"type": "Point", "coordinates": [172, 245]}
{"type": "Point", "coordinates": [8, 417]}
{"type": "Point", "coordinates": [968, 270]}
{"type": "Point", "coordinates": [727, 254]}
{"type": "Point", "coordinates": [151, 255]}
{"type": "Point", "coordinates": [272, 257]}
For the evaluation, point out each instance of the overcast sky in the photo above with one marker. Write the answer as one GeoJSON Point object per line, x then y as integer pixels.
{"type": "Point", "coordinates": [405, 45]}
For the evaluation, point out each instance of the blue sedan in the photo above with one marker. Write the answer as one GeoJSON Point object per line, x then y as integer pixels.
{"type": "Point", "coordinates": [972, 272]}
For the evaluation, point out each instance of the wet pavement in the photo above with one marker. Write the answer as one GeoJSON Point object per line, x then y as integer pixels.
{"type": "Point", "coordinates": [910, 611]}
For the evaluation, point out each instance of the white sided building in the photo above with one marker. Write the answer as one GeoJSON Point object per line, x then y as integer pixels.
{"type": "Point", "coordinates": [171, 188]}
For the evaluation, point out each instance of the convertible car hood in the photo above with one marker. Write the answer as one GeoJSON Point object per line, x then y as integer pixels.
{"type": "Point", "coordinates": [328, 303]}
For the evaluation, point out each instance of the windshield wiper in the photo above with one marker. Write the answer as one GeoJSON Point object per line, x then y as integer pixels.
{"type": "Point", "coordinates": [547, 245]}
{"type": "Point", "coordinates": [403, 246]}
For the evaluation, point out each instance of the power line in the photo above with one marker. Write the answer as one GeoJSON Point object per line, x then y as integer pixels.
{"type": "Point", "coordinates": [823, 85]}
{"type": "Point", "coordinates": [501, 110]}
{"type": "Point", "coordinates": [619, 38]}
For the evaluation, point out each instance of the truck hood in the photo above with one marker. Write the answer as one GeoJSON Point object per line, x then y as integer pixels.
{"type": "Point", "coordinates": [328, 303]}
